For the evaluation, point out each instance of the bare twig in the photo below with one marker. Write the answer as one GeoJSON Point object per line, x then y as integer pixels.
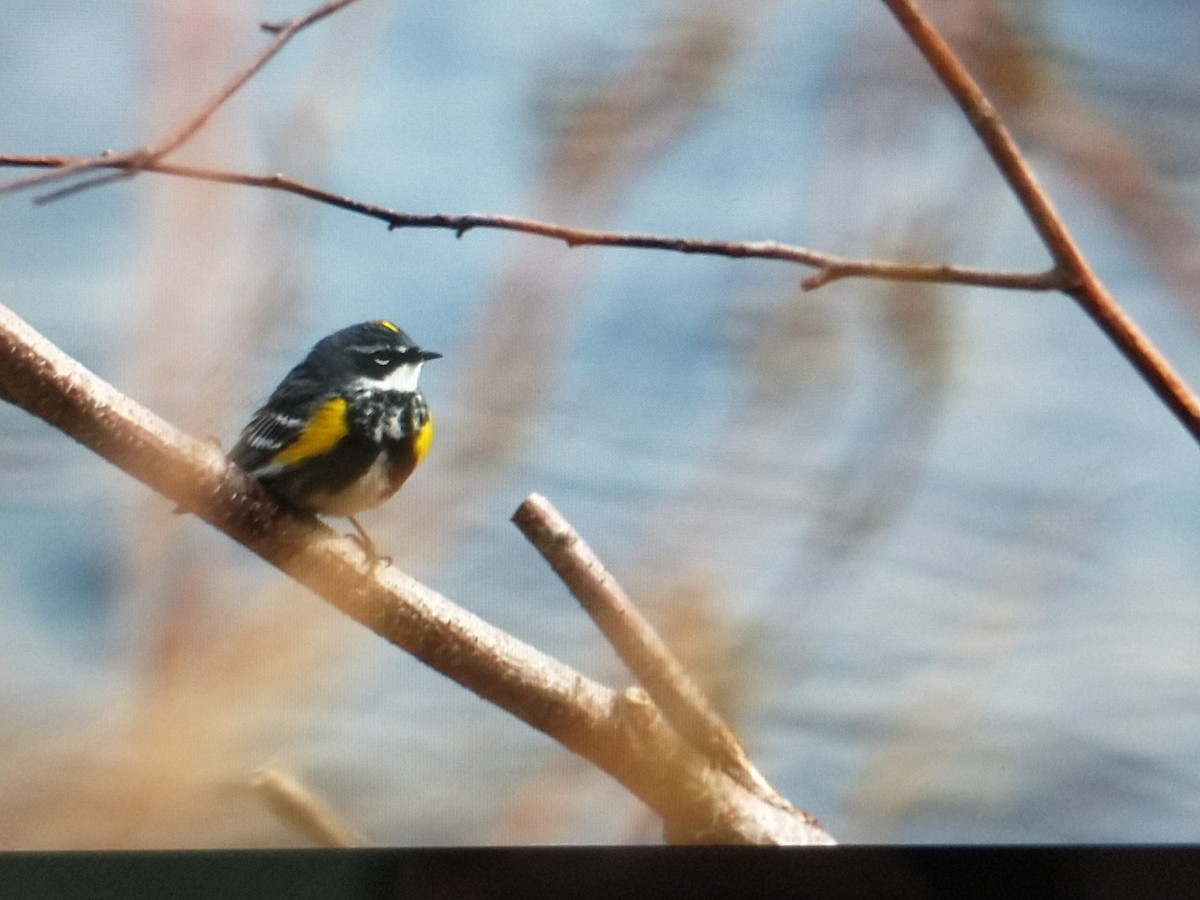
{"type": "Point", "coordinates": [1071, 272]}
{"type": "Point", "coordinates": [135, 161]}
{"type": "Point", "coordinates": [1081, 281]}
{"type": "Point", "coordinates": [620, 733]}
{"type": "Point", "coordinates": [297, 805]}
{"type": "Point", "coordinates": [830, 267]}
{"type": "Point", "coordinates": [681, 700]}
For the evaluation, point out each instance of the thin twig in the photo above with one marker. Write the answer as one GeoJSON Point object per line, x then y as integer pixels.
{"type": "Point", "coordinates": [297, 805]}
{"type": "Point", "coordinates": [1071, 272]}
{"type": "Point", "coordinates": [1081, 281]}
{"type": "Point", "coordinates": [135, 161]}
{"type": "Point", "coordinates": [681, 700]}
{"type": "Point", "coordinates": [829, 267]}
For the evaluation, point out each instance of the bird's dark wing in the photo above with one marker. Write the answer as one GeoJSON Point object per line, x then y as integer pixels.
{"type": "Point", "coordinates": [266, 434]}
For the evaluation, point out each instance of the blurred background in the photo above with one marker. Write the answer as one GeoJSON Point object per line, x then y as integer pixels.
{"type": "Point", "coordinates": [934, 550]}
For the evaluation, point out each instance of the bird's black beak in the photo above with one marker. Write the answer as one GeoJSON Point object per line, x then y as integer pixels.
{"type": "Point", "coordinates": [427, 355]}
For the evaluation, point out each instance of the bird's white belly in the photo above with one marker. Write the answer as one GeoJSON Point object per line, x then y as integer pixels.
{"type": "Point", "coordinates": [367, 492]}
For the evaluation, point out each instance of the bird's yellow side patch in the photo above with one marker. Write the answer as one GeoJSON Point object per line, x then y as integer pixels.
{"type": "Point", "coordinates": [322, 433]}
{"type": "Point", "coordinates": [423, 439]}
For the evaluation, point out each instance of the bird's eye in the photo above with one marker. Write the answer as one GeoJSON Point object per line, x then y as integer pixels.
{"type": "Point", "coordinates": [381, 360]}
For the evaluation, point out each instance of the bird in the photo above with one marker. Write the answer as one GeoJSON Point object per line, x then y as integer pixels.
{"type": "Point", "coordinates": [345, 428]}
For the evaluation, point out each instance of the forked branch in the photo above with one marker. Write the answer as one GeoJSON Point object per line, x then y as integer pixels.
{"type": "Point", "coordinates": [665, 679]}
{"type": "Point", "coordinates": [1070, 273]}
{"type": "Point", "coordinates": [1079, 278]}
{"type": "Point", "coordinates": [134, 161]}
{"type": "Point", "coordinates": [621, 733]}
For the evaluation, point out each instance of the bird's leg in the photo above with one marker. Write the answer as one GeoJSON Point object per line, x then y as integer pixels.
{"type": "Point", "coordinates": [374, 557]}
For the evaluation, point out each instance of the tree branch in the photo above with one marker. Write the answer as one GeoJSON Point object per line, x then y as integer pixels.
{"type": "Point", "coordinates": [621, 733]}
{"type": "Point", "coordinates": [681, 700]}
{"type": "Point", "coordinates": [1070, 274]}
{"type": "Point", "coordinates": [1081, 281]}
{"type": "Point", "coordinates": [830, 267]}
{"type": "Point", "coordinates": [295, 804]}
{"type": "Point", "coordinates": [134, 161]}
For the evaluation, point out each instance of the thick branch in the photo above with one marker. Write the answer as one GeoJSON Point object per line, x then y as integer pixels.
{"type": "Point", "coordinates": [620, 733]}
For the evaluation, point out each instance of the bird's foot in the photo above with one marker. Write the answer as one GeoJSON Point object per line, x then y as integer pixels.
{"type": "Point", "coordinates": [374, 557]}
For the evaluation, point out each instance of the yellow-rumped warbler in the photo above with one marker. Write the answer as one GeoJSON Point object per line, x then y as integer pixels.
{"type": "Point", "coordinates": [346, 427]}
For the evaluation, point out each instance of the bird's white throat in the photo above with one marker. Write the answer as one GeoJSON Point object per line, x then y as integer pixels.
{"type": "Point", "coordinates": [403, 378]}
